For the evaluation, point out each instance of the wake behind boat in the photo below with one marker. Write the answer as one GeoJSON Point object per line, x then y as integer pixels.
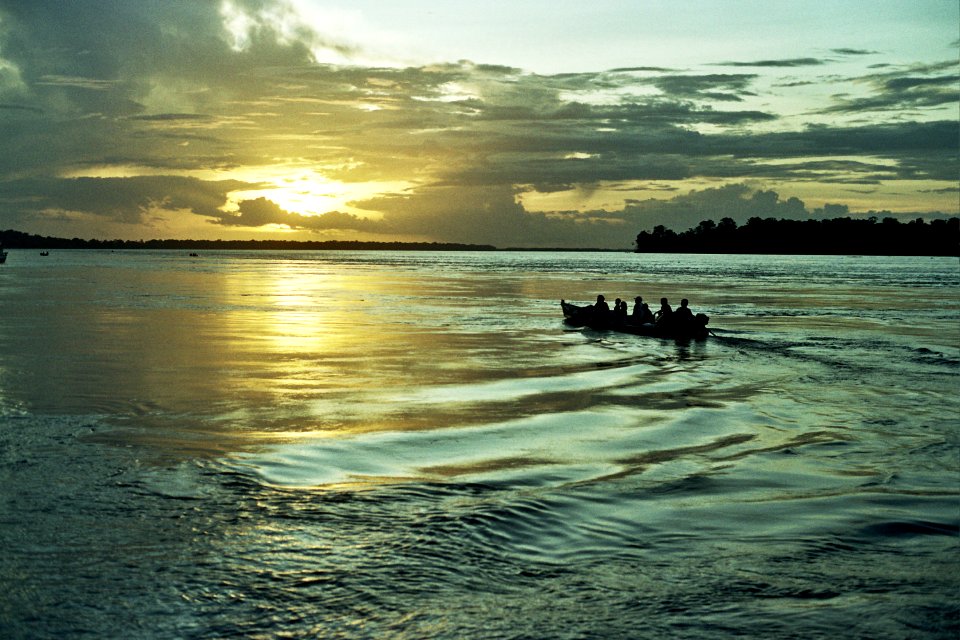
{"type": "Point", "coordinates": [589, 316]}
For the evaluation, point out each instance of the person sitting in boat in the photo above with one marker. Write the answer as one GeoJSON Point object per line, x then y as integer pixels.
{"type": "Point", "coordinates": [641, 312]}
{"type": "Point", "coordinates": [601, 308]}
{"type": "Point", "coordinates": [620, 310]}
{"type": "Point", "coordinates": [647, 315]}
{"type": "Point", "coordinates": [683, 317]}
{"type": "Point", "coordinates": [664, 316]}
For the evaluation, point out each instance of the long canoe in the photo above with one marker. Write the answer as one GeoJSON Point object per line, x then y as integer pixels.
{"type": "Point", "coordinates": [586, 316]}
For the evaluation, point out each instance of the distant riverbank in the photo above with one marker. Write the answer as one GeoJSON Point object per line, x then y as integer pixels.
{"type": "Point", "coordinates": [19, 240]}
{"type": "Point", "coordinates": [839, 236]}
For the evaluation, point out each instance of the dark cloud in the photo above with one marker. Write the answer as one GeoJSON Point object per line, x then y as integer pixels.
{"type": "Point", "coordinates": [917, 88]}
{"type": "Point", "coordinates": [854, 52]}
{"type": "Point", "coordinates": [171, 117]}
{"type": "Point", "coordinates": [641, 69]}
{"type": "Point", "coordinates": [493, 215]}
{"type": "Point", "coordinates": [735, 201]}
{"type": "Point", "coordinates": [721, 87]}
{"type": "Point", "coordinates": [261, 212]}
{"type": "Point", "coordinates": [924, 150]}
{"type": "Point", "coordinates": [21, 107]}
{"type": "Point", "coordinates": [901, 140]}
{"type": "Point", "coordinates": [128, 200]}
{"type": "Point", "coordinates": [791, 62]}
{"type": "Point", "coordinates": [75, 82]}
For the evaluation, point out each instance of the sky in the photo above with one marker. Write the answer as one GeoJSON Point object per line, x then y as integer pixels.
{"type": "Point", "coordinates": [523, 123]}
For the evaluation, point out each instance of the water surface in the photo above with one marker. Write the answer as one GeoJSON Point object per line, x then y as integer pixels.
{"type": "Point", "coordinates": [251, 444]}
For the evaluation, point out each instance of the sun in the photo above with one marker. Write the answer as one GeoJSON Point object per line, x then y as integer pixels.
{"type": "Point", "coordinates": [292, 186]}
{"type": "Point", "coordinates": [302, 191]}
{"type": "Point", "coordinates": [306, 191]}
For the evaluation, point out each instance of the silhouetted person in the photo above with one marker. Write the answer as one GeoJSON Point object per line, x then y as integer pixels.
{"type": "Point", "coordinates": [683, 317]}
{"type": "Point", "coordinates": [641, 312]}
{"type": "Point", "coordinates": [620, 310]}
{"type": "Point", "coordinates": [646, 315]}
{"type": "Point", "coordinates": [601, 308]}
{"type": "Point", "coordinates": [664, 315]}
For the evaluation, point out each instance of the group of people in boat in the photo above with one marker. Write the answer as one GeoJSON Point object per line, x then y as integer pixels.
{"type": "Point", "coordinates": [665, 317]}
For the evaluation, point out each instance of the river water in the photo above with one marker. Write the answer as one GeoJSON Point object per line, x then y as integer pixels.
{"type": "Point", "coordinates": [413, 445]}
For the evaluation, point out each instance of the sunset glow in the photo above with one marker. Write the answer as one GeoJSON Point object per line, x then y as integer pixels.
{"type": "Point", "coordinates": [522, 124]}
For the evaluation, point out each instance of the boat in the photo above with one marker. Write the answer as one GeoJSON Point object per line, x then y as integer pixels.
{"type": "Point", "coordinates": [585, 316]}
{"type": "Point", "coordinates": [3, 256]}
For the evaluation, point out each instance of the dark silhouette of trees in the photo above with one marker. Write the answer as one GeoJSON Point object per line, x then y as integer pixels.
{"type": "Point", "coordinates": [18, 240]}
{"type": "Point", "coordinates": [867, 236]}
{"type": "Point", "coordinates": [844, 236]}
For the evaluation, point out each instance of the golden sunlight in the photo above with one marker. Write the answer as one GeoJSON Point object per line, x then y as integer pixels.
{"type": "Point", "coordinates": [294, 188]}
{"type": "Point", "coordinates": [302, 191]}
{"type": "Point", "coordinates": [304, 311]}
{"type": "Point", "coordinates": [306, 191]}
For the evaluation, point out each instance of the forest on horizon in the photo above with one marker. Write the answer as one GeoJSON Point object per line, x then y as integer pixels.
{"type": "Point", "coordinates": [837, 236]}
{"type": "Point", "coordinates": [843, 236]}
{"type": "Point", "coordinates": [19, 240]}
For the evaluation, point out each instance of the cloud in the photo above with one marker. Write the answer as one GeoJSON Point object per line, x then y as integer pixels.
{"type": "Point", "coordinates": [843, 51]}
{"type": "Point", "coordinates": [736, 201]}
{"type": "Point", "coordinates": [21, 107]}
{"type": "Point", "coordinates": [127, 200]}
{"type": "Point", "coordinates": [93, 84]}
{"type": "Point", "coordinates": [633, 69]}
{"type": "Point", "coordinates": [172, 117]}
{"type": "Point", "coordinates": [495, 216]}
{"type": "Point", "coordinates": [262, 212]}
{"type": "Point", "coordinates": [174, 107]}
{"type": "Point", "coordinates": [721, 87]}
{"type": "Point", "coordinates": [915, 88]}
{"type": "Point", "coordinates": [791, 62]}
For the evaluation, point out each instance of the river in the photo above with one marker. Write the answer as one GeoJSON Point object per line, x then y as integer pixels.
{"type": "Point", "coordinates": [413, 445]}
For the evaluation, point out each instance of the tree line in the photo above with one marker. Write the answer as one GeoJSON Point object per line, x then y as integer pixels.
{"type": "Point", "coordinates": [18, 240]}
{"type": "Point", "coordinates": [838, 236]}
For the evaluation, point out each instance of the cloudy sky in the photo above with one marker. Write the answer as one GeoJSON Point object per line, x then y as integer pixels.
{"type": "Point", "coordinates": [515, 123]}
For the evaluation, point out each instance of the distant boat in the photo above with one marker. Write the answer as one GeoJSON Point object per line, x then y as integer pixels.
{"type": "Point", "coordinates": [584, 316]}
{"type": "Point", "coordinates": [44, 253]}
